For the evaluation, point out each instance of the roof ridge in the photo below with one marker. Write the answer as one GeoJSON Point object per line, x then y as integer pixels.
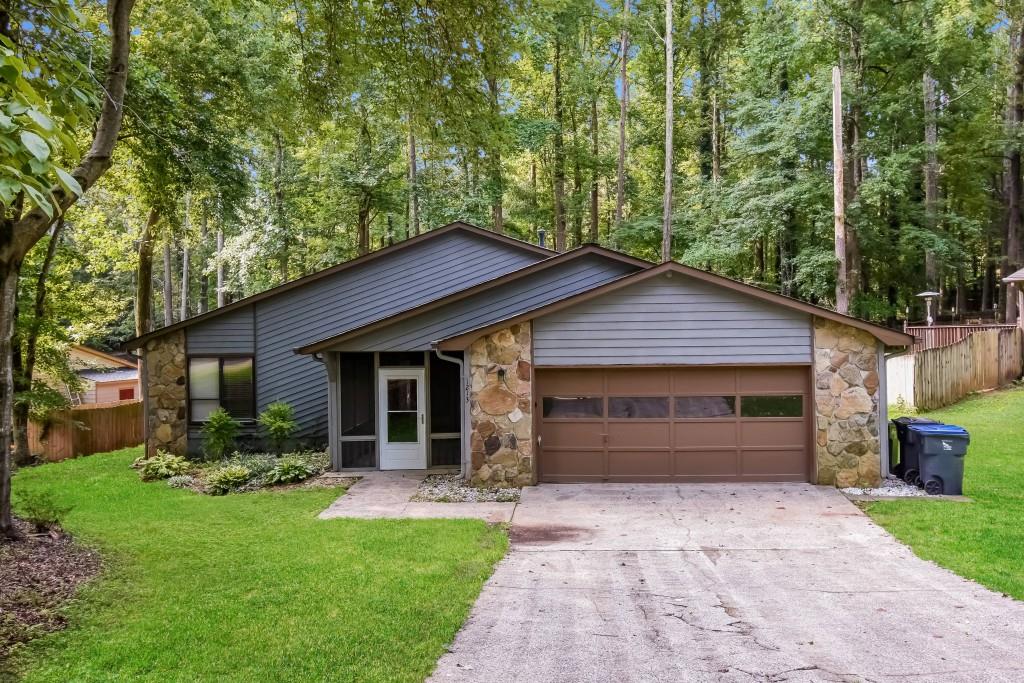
{"type": "Point", "coordinates": [137, 342]}
{"type": "Point", "coordinates": [576, 252]}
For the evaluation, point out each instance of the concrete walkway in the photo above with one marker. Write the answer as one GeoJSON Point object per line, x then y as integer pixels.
{"type": "Point", "coordinates": [386, 494]}
{"type": "Point", "coordinates": [723, 583]}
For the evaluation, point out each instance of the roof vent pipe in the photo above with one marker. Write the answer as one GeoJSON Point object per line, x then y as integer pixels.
{"type": "Point", "coordinates": [542, 238]}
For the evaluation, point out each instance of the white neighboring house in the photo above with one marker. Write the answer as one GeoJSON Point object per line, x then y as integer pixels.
{"type": "Point", "coordinates": [107, 377]}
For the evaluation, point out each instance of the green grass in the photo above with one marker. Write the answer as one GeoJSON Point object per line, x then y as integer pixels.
{"type": "Point", "coordinates": [251, 587]}
{"type": "Point", "coordinates": [983, 540]}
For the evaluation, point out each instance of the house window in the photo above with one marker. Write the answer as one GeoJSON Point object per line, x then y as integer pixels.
{"type": "Point", "coordinates": [221, 383]}
{"type": "Point", "coordinates": [126, 394]}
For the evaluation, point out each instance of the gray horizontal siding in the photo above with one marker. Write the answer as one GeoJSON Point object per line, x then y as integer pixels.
{"type": "Point", "coordinates": [384, 286]}
{"type": "Point", "coordinates": [672, 321]}
{"type": "Point", "coordinates": [231, 332]}
{"type": "Point", "coordinates": [507, 300]}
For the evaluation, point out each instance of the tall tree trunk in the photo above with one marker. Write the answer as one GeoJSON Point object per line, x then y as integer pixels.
{"type": "Point", "coordinates": [23, 379]}
{"type": "Point", "coordinates": [168, 284]}
{"type": "Point", "coordinates": [414, 195]}
{"type": "Point", "coordinates": [759, 265]}
{"type": "Point", "coordinates": [1013, 233]}
{"type": "Point", "coordinates": [279, 217]}
{"type": "Point", "coordinates": [705, 139]}
{"type": "Point", "coordinates": [204, 276]}
{"type": "Point", "coordinates": [19, 232]}
{"type": "Point", "coordinates": [144, 277]}
{"type": "Point", "coordinates": [533, 197]}
{"type": "Point", "coordinates": [620, 175]}
{"type": "Point", "coordinates": [577, 183]}
{"type": "Point", "coordinates": [839, 192]}
{"type": "Point", "coordinates": [497, 180]}
{"type": "Point", "coordinates": [931, 178]}
{"type": "Point", "coordinates": [716, 143]}
{"type": "Point", "coordinates": [185, 266]}
{"type": "Point", "coordinates": [594, 151]}
{"type": "Point", "coordinates": [666, 209]}
{"type": "Point", "coordinates": [559, 153]}
{"type": "Point", "coordinates": [220, 268]}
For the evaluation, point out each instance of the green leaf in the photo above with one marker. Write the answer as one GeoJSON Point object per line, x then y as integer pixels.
{"type": "Point", "coordinates": [40, 199]}
{"type": "Point", "coordinates": [9, 189]}
{"type": "Point", "coordinates": [41, 119]}
{"type": "Point", "coordinates": [35, 145]}
{"type": "Point", "coordinates": [68, 182]}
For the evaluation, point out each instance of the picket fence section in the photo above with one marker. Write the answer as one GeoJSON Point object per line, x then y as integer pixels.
{"type": "Point", "coordinates": [87, 429]}
{"type": "Point", "coordinates": [938, 377]}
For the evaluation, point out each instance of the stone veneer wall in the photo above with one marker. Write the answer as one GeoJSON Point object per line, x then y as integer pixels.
{"type": "Point", "coordinates": [846, 395]}
{"type": "Point", "coordinates": [501, 414]}
{"type": "Point", "coordinates": [164, 391]}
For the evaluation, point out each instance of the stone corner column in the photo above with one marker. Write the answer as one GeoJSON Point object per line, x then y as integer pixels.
{"type": "Point", "coordinates": [164, 394]}
{"type": "Point", "coordinates": [846, 395]}
{"type": "Point", "coordinates": [501, 408]}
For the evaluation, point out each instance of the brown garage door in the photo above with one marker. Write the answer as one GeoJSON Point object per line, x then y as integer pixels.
{"type": "Point", "coordinates": [673, 424]}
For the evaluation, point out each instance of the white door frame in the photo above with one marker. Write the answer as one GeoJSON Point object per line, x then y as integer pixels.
{"type": "Point", "coordinates": [402, 455]}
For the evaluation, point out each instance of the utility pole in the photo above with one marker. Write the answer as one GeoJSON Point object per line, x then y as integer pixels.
{"type": "Point", "coordinates": [839, 199]}
{"type": "Point", "coordinates": [666, 211]}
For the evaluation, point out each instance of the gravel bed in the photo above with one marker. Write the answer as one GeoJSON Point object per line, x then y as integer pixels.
{"type": "Point", "coordinates": [449, 488]}
{"type": "Point", "coordinates": [890, 487]}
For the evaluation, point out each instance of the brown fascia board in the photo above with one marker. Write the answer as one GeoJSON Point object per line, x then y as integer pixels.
{"type": "Point", "coordinates": [557, 260]}
{"type": "Point", "coordinates": [123, 362]}
{"type": "Point", "coordinates": [884, 334]}
{"type": "Point", "coordinates": [137, 342]}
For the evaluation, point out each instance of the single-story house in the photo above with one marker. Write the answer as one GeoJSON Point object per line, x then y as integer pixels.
{"type": "Point", "coordinates": [464, 348]}
{"type": "Point", "coordinates": [106, 377]}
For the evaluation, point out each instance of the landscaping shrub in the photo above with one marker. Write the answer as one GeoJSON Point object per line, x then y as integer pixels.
{"type": "Point", "coordinates": [278, 423]}
{"type": "Point", "coordinates": [162, 466]}
{"type": "Point", "coordinates": [181, 481]}
{"type": "Point", "coordinates": [289, 470]}
{"type": "Point", "coordinates": [219, 434]}
{"type": "Point", "coordinates": [41, 510]}
{"type": "Point", "coordinates": [222, 480]}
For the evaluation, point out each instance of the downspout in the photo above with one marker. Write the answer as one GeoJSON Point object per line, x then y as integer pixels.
{"type": "Point", "coordinates": [464, 436]}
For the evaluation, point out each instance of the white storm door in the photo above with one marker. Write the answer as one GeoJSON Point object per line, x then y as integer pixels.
{"type": "Point", "coordinates": [402, 425]}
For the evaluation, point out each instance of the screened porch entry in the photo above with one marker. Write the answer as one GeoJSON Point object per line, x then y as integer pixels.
{"type": "Point", "coordinates": [395, 410]}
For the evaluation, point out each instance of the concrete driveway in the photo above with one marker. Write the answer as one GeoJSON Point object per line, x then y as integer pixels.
{"type": "Point", "coordinates": [724, 583]}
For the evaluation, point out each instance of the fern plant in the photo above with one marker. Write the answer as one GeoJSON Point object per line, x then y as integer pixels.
{"type": "Point", "coordinates": [278, 423]}
{"type": "Point", "coordinates": [219, 434]}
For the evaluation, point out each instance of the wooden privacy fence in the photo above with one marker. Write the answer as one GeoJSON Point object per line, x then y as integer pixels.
{"type": "Point", "coordinates": [937, 377]}
{"type": "Point", "coordinates": [944, 335]}
{"type": "Point", "coordinates": [87, 429]}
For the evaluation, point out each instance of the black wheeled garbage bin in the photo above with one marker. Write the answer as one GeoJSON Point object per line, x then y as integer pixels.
{"type": "Point", "coordinates": [941, 449]}
{"type": "Point", "coordinates": [907, 468]}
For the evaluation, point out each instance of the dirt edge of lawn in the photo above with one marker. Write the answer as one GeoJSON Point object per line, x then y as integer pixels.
{"type": "Point", "coordinates": [240, 587]}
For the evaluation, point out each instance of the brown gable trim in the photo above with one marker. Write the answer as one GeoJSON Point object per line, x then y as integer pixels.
{"type": "Point", "coordinates": [559, 259]}
{"type": "Point", "coordinates": [884, 334]}
{"type": "Point", "coordinates": [137, 342]}
{"type": "Point", "coordinates": [123, 362]}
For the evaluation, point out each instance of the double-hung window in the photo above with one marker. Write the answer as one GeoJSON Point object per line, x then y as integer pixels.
{"type": "Point", "coordinates": [221, 383]}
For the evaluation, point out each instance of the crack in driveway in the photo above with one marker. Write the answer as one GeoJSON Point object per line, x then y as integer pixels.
{"type": "Point", "coordinates": [685, 583]}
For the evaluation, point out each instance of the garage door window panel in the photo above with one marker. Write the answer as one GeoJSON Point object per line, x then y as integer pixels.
{"type": "Point", "coordinates": [790, 405]}
{"type": "Point", "coordinates": [705, 407]}
{"type": "Point", "coordinates": [638, 407]}
{"type": "Point", "coordinates": [574, 407]}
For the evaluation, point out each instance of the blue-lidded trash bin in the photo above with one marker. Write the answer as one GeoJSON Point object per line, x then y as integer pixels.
{"type": "Point", "coordinates": [907, 468]}
{"type": "Point", "coordinates": [940, 450]}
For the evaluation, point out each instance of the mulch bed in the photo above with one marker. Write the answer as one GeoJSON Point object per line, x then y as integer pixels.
{"type": "Point", "coordinates": [38, 574]}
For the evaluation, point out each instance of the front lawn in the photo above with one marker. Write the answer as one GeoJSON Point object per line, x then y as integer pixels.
{"type": "Point", "coordinates": [251, 587]}
{"type": "Point", "coordinates": [983, 540]}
